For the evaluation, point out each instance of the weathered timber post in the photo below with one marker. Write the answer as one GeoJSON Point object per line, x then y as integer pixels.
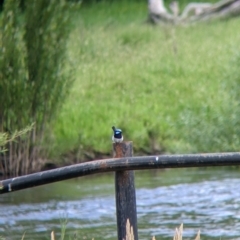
{"type": "Point", "coordinates": [125, 192]}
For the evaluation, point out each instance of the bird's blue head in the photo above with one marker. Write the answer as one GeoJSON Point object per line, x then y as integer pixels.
{"type": "Point", "coordinates": [117, 134]}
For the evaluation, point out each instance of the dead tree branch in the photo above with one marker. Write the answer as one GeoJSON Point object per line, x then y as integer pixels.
{"type": "Point", "coordinates": [193, 12]}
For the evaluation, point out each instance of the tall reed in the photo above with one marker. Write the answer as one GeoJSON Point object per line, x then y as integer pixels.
{"type": "Point", "coordinates": [33, 84]}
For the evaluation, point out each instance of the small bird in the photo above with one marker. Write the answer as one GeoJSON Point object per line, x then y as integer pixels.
{"type": "Point", "coordinates": [117, 135]}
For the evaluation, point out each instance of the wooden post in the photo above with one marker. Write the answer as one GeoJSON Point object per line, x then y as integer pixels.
{"type": "Point", "coordinates": [125, 193]}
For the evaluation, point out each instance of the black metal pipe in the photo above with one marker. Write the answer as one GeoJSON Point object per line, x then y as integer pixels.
{"type": "Point", "coordinates": [119, 164]}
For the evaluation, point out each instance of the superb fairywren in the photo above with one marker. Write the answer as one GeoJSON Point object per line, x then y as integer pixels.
{"type": "Point", "coordinates": [117, 135]}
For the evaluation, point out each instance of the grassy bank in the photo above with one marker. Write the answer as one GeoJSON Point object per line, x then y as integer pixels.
{"type": "Point", "coordinates": [169, 88]}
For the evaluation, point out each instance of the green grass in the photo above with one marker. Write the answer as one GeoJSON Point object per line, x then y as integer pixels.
{"type": "Point", "coordinates": [178, 85]}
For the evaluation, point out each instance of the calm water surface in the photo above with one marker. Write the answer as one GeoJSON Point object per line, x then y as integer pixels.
{"type": "Point", "coordinates": [206, 199]}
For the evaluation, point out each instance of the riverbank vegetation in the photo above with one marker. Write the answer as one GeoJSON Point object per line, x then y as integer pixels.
{"type": "Point", "coordinates": [169, 88]}
{"type": "Point", "coordinates": [5, 138]}
{"type": "Point", "coordinates": [178, 235]}
{"type": "Point", "coordinates": [34, 80]}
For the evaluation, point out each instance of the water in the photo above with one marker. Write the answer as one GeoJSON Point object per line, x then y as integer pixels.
{"type": "Point", "coordinates": [206, 199]}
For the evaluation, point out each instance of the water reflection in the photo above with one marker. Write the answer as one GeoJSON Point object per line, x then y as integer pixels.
{"type": "Point", "coordinates": [206, 199]}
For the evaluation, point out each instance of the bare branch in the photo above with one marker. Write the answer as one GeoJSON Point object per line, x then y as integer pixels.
{"type": "Point", "coordinates": [193, 11]}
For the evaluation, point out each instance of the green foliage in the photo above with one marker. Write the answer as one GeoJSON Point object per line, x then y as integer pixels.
{"type": "Point", "coordinates": [34, 78]}
{"type": "Point", "coordinates": [3, 141]}
{"type": "Point", "coordinates": [170, 88]}
{"type": "Point", "coordinates": [12, 68]}
{"type": "Point", "coordinates": [45, 37]}
{"type": "Point", "coordinates": [6, 138]}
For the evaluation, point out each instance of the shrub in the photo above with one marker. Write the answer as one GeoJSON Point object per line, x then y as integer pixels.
{"type": "Point", "coordinates": [33, 84]}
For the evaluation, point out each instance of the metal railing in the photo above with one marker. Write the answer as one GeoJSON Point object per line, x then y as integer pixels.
{"type": "Point", "coordinates": [123, 164]}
